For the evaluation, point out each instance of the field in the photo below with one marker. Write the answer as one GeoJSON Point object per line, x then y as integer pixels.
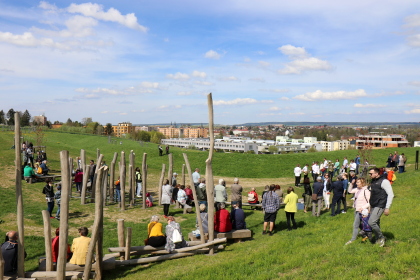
{"type": "Point", "coordinates": [314, 251]}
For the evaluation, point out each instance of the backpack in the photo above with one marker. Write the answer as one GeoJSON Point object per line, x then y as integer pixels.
{"type": "Point", "coordinates": [394, 177]}
{"type": "Point", "coordinates": [251, 197]}
{"type": "Point", "coordinates": [176, 237]}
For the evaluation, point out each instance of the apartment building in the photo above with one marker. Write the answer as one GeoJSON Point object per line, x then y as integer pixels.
{"type": "Point", "coordinates": [204, 144]}
{"type": "Point", "coordinates": [188, 132]}
{"type": "Point", "coordinates": [122, 129]}
{"type": "Point", "coordinates": [142, 128]}
{"type": "Point", "coordinates": [375, 141]}
{"type": "Point", "coordinates": [340, 145]}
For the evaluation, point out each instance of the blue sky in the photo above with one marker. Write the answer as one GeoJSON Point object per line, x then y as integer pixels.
{"type": "Point", "coordinates": [155, 61]}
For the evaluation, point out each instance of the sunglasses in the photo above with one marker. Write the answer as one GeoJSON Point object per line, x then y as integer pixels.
{"type": "Point", "coordinates": [371, 174]}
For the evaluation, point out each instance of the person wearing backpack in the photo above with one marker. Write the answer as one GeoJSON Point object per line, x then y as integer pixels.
{"type": "Point", "coordinates": [360, 203]}
{"type": "Point", "coordinates": [253, 197]}
{"type": "Point", "coordinates": [390, 175]}
{"type": "Point", "coordinates": [138, 181]}
{"type": "Point", "coordinates": [174, 238]}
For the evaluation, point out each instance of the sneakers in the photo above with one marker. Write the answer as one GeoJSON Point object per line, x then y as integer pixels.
{"type": "Point", "coordinates": [349, 242]}
{"type": "Point", "coordinates": [352, 198]}
{"type": "Point", "coordinates": [165, 216]}
{"type": "Point", "coordinates": [264, 232]}
{"type": "Point", "coordinates": [58, 218]}
{"type": "Point", "coordinates": [343, 212]}
{"type": "Point", "coordinates": [270, 233]}
{"type": "Point", "coordinates": [52, 217]}
{"type": "Point", "coordinates": [381, 242]}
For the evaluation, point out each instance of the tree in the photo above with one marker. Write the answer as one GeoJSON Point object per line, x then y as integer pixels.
{"type": "Point", "coordinates": [273, 149]}
{"type": "Point", "coordinates": [220, 135]}
{"type": "Point", "coordinates": [108, 129]}
{"type": "Point", "coordinates": [143, 136]}
{"type": "Point", "coordinates": [25, 119]}
{"type": "Point", "coordinates": [231, 132]}
{"type": "Point", "coordinates": [11, 117]}
{"type": "Point", "coordinates": [2, 120]}
{"type": "Point", "coordinates": [56, 122]}
{"type": "Point", "coordinates": [156, 136]}
{"type": "Point", "coordinates": [312, 150]}
{"type": "Point", "coordinates": [86, 121]}
{"type": "Point", "coordinates": [69, 122]}
{"type": "Point", "coordinates": [49, 124]}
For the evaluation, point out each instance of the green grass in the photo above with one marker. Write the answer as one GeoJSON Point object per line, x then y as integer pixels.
{"type": "Point", "coordinates": [314, 251]}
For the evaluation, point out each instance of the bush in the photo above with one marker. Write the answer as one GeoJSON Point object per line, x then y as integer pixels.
{"type": "Point", "coordinates": [273, 149]}
{"type": "Point", "coordinates": [192, 147]}
{"type": "Point", "coordinates": [312, 150]}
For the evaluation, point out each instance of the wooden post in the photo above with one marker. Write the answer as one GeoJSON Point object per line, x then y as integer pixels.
{"type": "Point", "coordinates": [97, 154]}
{"type": "Point", "coordinates": [98, 165]}
{"type": "Point", "coordinates": [84, 186]}
{"type": "Point", "coordinates": [183, 176]}
{"type": "Point", "coordinates": [209, 175]}
{"type": "Point", "coordinates": [83, 161]}
{"type": "Point", "coordinates": [96, 225]}
{"type": "Point", "coordinates": [133, 177]}
{"type": "Point", "coordinates": [128, 244]}
{"type": "Point", "coordinates": [171, 168]}
{"type": "Point", "coordinates": [122, 180]}
{"type": "Point", "coordinates": [144, 183]}
{"type": "Point", "coordinates": [112, 178]}
{"type": "Point", "coordinates": [162, 177]}
{"type": "Point", "coordinates": [197, 208]}
{"type": "Point", "coordinates": [130, 184]}
{"type": "Point", "coordinates": [121, 236]}
{"type": "Point", "coordinates": [19, 199]}
{"type": "Point", "coordinates": [48, 243]}
{"type": "Point", "coordinates": [105, 186]}
{"type": "Point", "coordinates": [99, 243]}
{"type": "Point", "coordinates": [64, 215]}
{"type": "Point", "coordinates": [70, 177]}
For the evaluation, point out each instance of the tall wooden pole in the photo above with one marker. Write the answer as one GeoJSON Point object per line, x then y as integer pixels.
{"type": "Point", "coordinates": [209, 175]}
{"type": "Point", "coordinates": [48, 243]}
{"type": "Point", "coordinates": [70, 177]}
{"type": "Point", "coordinates": [112, 178]}
{"type": "Point", "coordinates": [122, 180]}
{"type": "Point", "coordinates": [96, 225]}
{"type": "Point", "coordinates": [64, 215]}
{"type": "Point", "coordinates": [19, 199]}
{"type": "Point", "coordinates": [121, 236]}
{"type": "Point", "coordinates": [130, 184]}
{"type": "Point", "coordinates": [133, 176]}
{"type": "Point", "coordinates": [99, 243]}
{"type": "Point", "coordinates": [197, 206]}
{"type": "Point", "coordinates": [97, 154]}
{"type": "Point", "coordinates": [171, 168]}
{"type": "Point", "coordinates": [162, 177]}
{"type": "Point", "coordinates": [183, 176]}
{"type": "Point", "coordinates": [83, 161]}
{"type": "Point", "coordinates": [98, 165]}
{"type": "Point", "coordinates": [84, 186]}
{"type": "Point", "coordinates": [144, 183]}
{"type": "Point", "coordinates": [128, 243]}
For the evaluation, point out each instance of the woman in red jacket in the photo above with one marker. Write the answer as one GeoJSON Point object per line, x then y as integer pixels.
{"type": "Point", "coordinates": [55, 247]}
{"type": "Point", "coordinates": [222, 221]}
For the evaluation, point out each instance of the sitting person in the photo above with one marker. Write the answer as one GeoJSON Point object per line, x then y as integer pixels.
{"type": "Point", "coordinates": [155, 235]}
{"type": "Point", "coordinates": [44, 168]}
{"type": "Point", "coordinates": [222, 221]}
{"type": "Point", "coordinates": [38, 169]}
{"type": "Point", "coordinates": [181, 195]}
{"type": "Point", "coordinates": [279, 192]}
{"type": "Point", "coordinates": [149, 200]}
{"type": "Point", "coordinates": [9, 249]}
{"type": "Point", "coordinates": [55, 247]}
{"type": "Point", "coordinates": [80, 247]}
{"type": "Point", "coordinates": [175, 192]}
{"type": "Point", "coordinates": [237, 216]}
{"type": "Point", "coordinates": [204, 219]}
{"type": "Point", "coordinates": [252, 197]}
{"type": "Point", "coordinates": [39, 157]}
{"type": "Point", "coordinates": [189, 193]}
{"type": "Point", "coordinates": [28, 173]}
{"type": "Point", "coordinates": [266, 190]}
{"type": "Point", "coordinates": [220, 195]}
{"type": "Point", "coordinates": [169, 232]}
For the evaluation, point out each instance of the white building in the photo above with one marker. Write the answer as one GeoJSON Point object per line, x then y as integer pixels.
{"type": "Point", "coordinates": [416, 144]}
{"type": "Point", "coordinates": [309, 140]}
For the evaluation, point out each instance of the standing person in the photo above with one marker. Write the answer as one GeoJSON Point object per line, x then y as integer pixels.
{"type": "Point", "coordinates": [196, 177]}
{"type": "Point", "coordinates": [390, 175]}
{"type": "Point", "coordinates": [326, 192]}
{"type": "Point", "coordinates": [317, 189]}
{"type": "Point", "coordinates": [271, 205]}
{"type": "Point", "coordinates": [345, 185]}
{"type": "Point", "coordinates": [92, 172]}
{"type": "Point", "coordinates": [139, 180]}
{"type": "Point", "coordinates": [117, 191]}
{"type": "Point", "coordinates": [253, 197]}
{"type": "Point", "coordinates": [9, 250]}
{"type": "Point", "coordinates": [160, 150]}
{"type": "Point", "coordinates": [220, 194]}
{"type": "Point", "coordinates": [175, 190]}
{"type": "Point", "coordinates": [361, 202]}
{"type": "Point", "coordinates": [330, 169]}
{"type": "Point", "coordinates": [78, 179]}
{"type": "Point", "coordinates": [237, 216]}
{"type": "Point", "coordinates": [30, 154]}
{"type": "Point", "coordinates": [405, 160]}
{"type": "Point", "coordinates": [25, 156]}
{"type": "Point", "coordinates": [202, 193]}
{"type": "Point", "coordinates": [298, 172]}
{"type": "Point", "coordinates": [325, 167]}
{"type": "Point", "coordinates": [57, 197]}
{"type": "Point", "coordinates": [315, 170]}
{"type": "Point", "coordinates": [174, 182]}
{"type": "Point", "coordinates": [357, 161]}
{"type": "Point", "coordinates": [236, 192]}
{"type": "Point", "coordinates": [307, 194]}
{"type": "Point", "coordinates": [305, 171]}
{"type": "Point", "coordinates": [380, 202]}
{"type": "Point", "coordinates": [394, 161]}
{"type": "Point", "coordinates": [401, 164]}
{"type": "Point", "coordinates": [352, 180]}
{"type": "Point", "coordinates": [80, 247]}
{"type": "Point", "coordinates": [338, 191]}
{"type": "Point", "coordinates": [353, 166]}
{"type": "Point", "coordinates": [166, 197]}
{"type": "Point", "coordinates": [182, 196]}
{"type": "Point", "coordinates": [389, 161]}
{"type": "Point", "coordinates": [336, 168]}
{"type": "Point", "coordinates": [167, 149]}
{"type": "Point", "coordinates": [49, 195]}
{"type": "Point", "coordinates": [345, 164]}
{"type": "Point", "coordinates": [290, 209]}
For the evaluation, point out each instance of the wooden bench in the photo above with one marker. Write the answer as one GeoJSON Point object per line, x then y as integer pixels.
{"type": "Point", "coordinates": [236, 235]}
{"type": "Point", "coordinates": [108, 264]}
{"type": "Point", "coordinates": [258, 206]}
{"type": "Point", "coordinates": [52, 177]}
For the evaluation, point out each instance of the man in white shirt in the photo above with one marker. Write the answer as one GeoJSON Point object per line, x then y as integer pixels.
{"type": "Point", "coordinates": [345, 164]}
{"type": "Point", "coordinates": [196, 177]}
{"type": "Point", "coordinates": [305, 171]}
{"type": "Point", "coordinates": [315, 170]}
{"type": "Point", "coordinates": [298, 172]}
{"type": "Point", "coordinates": [353, 166]}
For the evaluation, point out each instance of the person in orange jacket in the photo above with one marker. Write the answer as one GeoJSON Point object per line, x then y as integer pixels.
{"type": "Point", "coordinates": [390, 175]}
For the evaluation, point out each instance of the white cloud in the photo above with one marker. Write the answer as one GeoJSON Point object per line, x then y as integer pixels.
{"type": "Point", "coordinates": [412, 105]}
{"type": "Point", "coordinates": [178, 76]}
{"type": "Point", "coordinates": [27, 39]}
{"type": "Point", "coordinates": [97, 11]}
{"type": "Point", "coordinates": [414, 83]}
{"type": "Point", "coordinates": [104, 112]}
{"type": "Point", "coordinates": [270, 114]}
{"type": "Point", "coordinates": [297, 114]}
{"type": "Point", "coordinates": [260, 52]}
{"type": "Point", "coordinates": [203, 83]}
{"type": "Point", "coordinates": [184, 93]}
{"type": "Point", "coordinates": [284, 98]}
{"type": "Point", "coordinates": [261, 80]}
{"type": "Point", "coordinates": [77, 26]}
{"type": "Point", "coordinates": [149, 85]}
{"type": "Point", "coordinates": [212, 55]}
{"type": "Point", "coordinates": [293, 52]}
{"type": "Point", "coordinates": [274, 109]}
{"type": "Point", "coordinates": [47, 6]}
{"type": "Point", "coordinates": [198, 74]}
{"type": "Point", "coordinates": [263, 63]}
{"type": "Point", "coordinates": [227, 79]}
{"type": "Point", "coordinates": [123, 114]}
{"type": "Point", "coordinates": [412, 21]}
{"type": "Point", "coordinates": [241, 101]}
{"type": "Point", "coordinates": [247, 59]}
{"type": "Point", "coordinates": [338, 95]}
{"type": "Point", "coordinates": [414, 40]}
{"type": "Point", "coordinates": [166, 40]}
{"type": "Point", "coordinates": [359, 105]}
{"type": "Point", "coordinates": [299, 66]}
{"type": "Point", "coordinates": [398, 92]}
{"type": "Point", "coordinates": [414, 111]}
{"type": "Point", "coordinates": [145, 88]}
{"type": "Point", "coordinates": [276, 90]}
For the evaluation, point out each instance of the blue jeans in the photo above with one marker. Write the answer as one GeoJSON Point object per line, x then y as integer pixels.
{"type": "Point", "coordinates": [401, 168]}
{"type": "Point", "coordinates": [335, 170]}
{"type": "Point", "coordinates": [202, 202]}
{"type": "Point", "coordinates": [78, 186]}
{"type": "Point", "coordinates": [50, 207]}
{"type": "Point", "coordinates": [357, 169]}
{"type": "Point", "coordinates": [117, 195]}
{"type": "Point", "coordinates": [91, 181]}
{"type": "Point", "coordinates": [58, 211]}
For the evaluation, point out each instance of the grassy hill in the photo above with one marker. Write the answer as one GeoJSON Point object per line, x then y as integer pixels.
{"type": "Point", "coordinates": [314, 251]}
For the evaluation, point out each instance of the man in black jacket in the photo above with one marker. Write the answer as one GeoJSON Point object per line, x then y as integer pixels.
{"type": "Point", "coordinates": [317, 189]}
{"type": "Point", "coordinates": [338, 190]}
{"type": "Point", "coordinates": [9, 250]}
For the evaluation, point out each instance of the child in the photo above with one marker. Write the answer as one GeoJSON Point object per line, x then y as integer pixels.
{"type": "Point", "coordinates": [366, 231]}
{"type": "Point", "coordinates": [78, 179]}
{"type": "Point", "coordinates": [117, 190]}
{"type": "Point", "coordinates": [149, 200]}
{"type": "Point", "coordinates": [390, 175]}
{"type": "Point", "coordinates": [57, 197]}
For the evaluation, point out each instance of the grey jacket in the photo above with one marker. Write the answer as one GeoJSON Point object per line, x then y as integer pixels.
{"type": "Point", "coordinates": [166, 194]}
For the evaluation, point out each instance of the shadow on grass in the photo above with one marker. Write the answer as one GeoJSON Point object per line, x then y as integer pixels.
{"type": "Point", "coordinates": [78, 214]}
{"type": "Point", "coordinates": [388, 235]}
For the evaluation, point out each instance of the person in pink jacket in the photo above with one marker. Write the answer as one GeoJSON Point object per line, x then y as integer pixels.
{"type": "Point", "coordinates": [361, 201]}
